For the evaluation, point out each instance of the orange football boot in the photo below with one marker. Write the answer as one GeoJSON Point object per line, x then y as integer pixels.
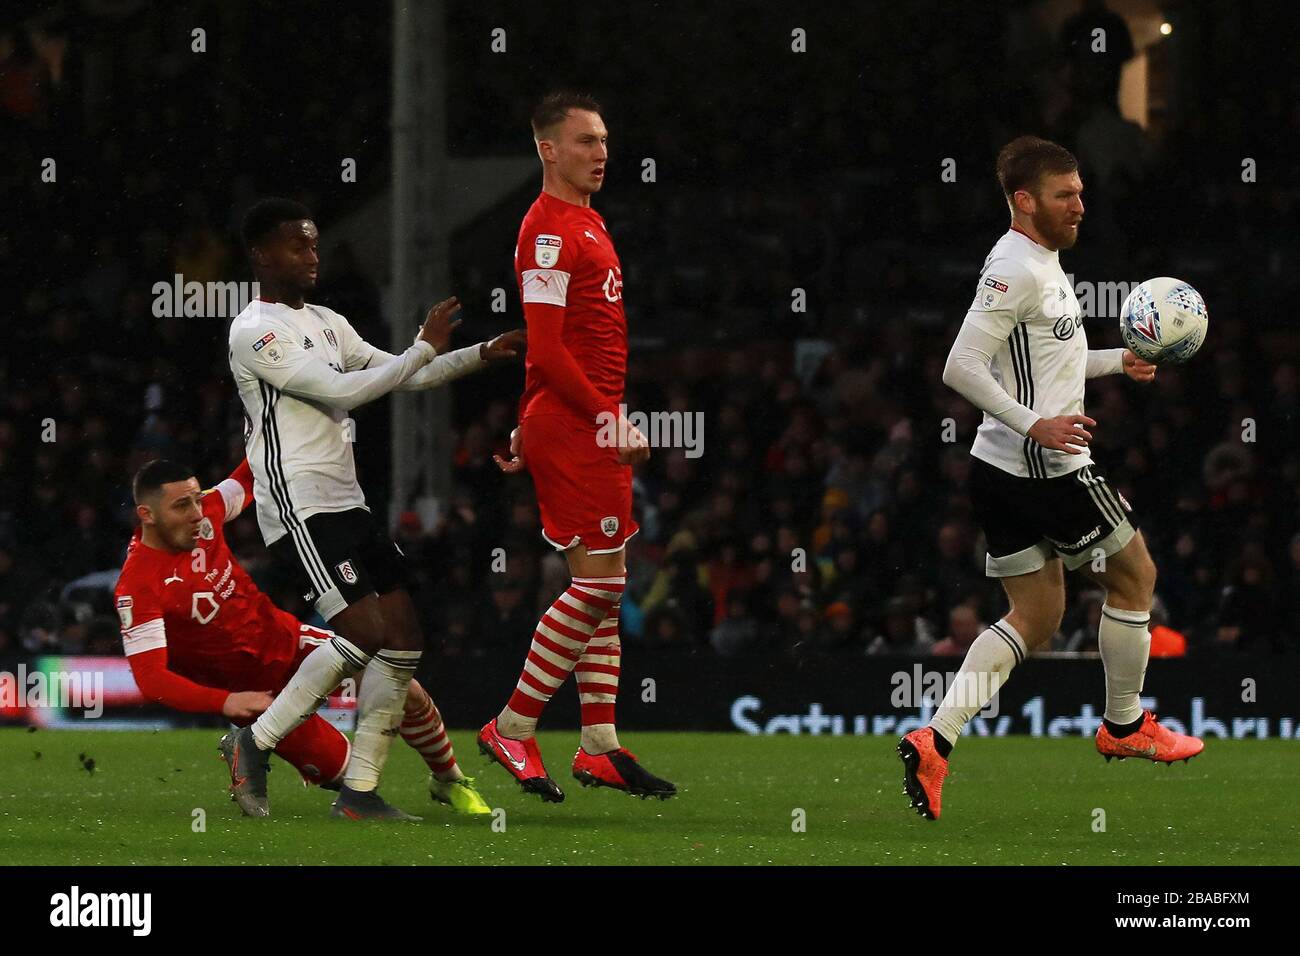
{"type": "Point", "coordinates": [1149, 742]}
{"type": "Point", "coordinates": [923, 771]}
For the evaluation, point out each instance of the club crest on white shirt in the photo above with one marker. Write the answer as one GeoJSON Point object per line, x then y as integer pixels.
{"type": "Point", "coordinates": [546, 250]}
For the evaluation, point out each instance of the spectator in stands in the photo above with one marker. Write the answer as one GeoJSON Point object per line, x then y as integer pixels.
{"type": "Point", "coordinates": [964, 625]}
{"type": "Point", "coordinates": [1247, 618]}
{"type": "Point", "coordinates": [901, 632]}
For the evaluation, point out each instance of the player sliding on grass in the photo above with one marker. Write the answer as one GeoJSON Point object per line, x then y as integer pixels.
{"type": "Point", "coordinates": [300, 368]}
{"type": "Point", "coordinates": [571, 284]}
{"type": "Point", "coordinates": [201, 638]}
{"type": "Point", "coordinates": [1022, 357]}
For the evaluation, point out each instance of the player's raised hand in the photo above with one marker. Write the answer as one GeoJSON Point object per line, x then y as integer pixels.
{"type": "Point", "coordinates": [516, 462]}
{"type": "Point", "coordinates": [633, 449]}
{"type": "Point", "coordinates": [1138, 369]}
{"type": "Point", "coordinates": [505, 346]}
{"type": "Point", "coordinates": [1063, 433]}
{"type": "Point", "coordinates": [438, 324]}
{"type": "Point", "coordinates": [246, 704]}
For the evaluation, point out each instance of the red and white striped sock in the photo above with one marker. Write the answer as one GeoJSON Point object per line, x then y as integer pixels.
{"type": "Point", "coordinates": [561, 636]}
{"type": "Point", "coordinates": [423, 730]}
{"type": "Point", "coordinates": [597, 675]}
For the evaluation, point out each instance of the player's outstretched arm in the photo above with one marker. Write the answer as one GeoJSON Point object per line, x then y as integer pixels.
{"type": "Point", "coordinates": [445, 367]}
{"type": "Point", "coordinates": [1136, 367]}
{"type": "Point", "coordinates": [237, 490]}
{"type": "Point", "coordinates": [162, 686]}
{"type": "Point", "coordinates": [453, 365]}
{"type": "Point", "coordinates": [283, 364]}
{"type": "Point", "coordinates": [1104, 362]}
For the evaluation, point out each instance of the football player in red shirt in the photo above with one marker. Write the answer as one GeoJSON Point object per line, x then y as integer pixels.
{"type": "Point", "coordinates": [571, 284]}
{"type": "Point", "coordinates": [200, 636]}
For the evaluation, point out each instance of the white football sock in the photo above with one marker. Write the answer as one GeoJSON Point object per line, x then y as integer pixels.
{"type": "Point", "coordinates": [515, 726]}
{"type": "Point", "coordinates": [599, 738]}
{"type": "Point", "coordinates": [380, 705]}
{"type": "Point", "coordinates": [1125, 645]}
{"type": "Point", "coordinates": [320, 672]}
{"type": "Point", "coordinates": [988, 663]}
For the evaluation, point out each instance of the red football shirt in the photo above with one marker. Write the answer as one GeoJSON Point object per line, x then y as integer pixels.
{"type": "Point", "coordinates": [565, 260]}
{"type": "Point", "coordinates": [217, 628]}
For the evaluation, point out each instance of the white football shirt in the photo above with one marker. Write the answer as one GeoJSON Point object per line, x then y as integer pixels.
{"type": "Point", "coordinates": [299, 372]}
{"type": "Point", "coordinates": [1026, 301]}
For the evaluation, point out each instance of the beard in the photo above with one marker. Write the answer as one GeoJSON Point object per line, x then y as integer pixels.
{"type": "Point", "coordinates": [1055, 231]}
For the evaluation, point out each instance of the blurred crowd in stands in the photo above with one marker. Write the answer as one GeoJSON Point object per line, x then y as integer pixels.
{"type": "Point", "coordinates": [829, 513]}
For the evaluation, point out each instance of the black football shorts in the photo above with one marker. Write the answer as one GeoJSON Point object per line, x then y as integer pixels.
{"type": "Point", "coordinates": [1027, 521]}
{"type": "Point", "coordinates": [339, 557]}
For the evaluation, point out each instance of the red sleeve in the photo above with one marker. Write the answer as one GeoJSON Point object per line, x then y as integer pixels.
{"type": "Point", "coordinates": [244, 475]}
{"type": "Point", "coordinates": [555, 365]}
{"type": "Point", "coordinates": [149, 668]}
{"type": "Point", "coordinates": [139, 610]}
{"type": "Point", "coordinates": [234, 495]}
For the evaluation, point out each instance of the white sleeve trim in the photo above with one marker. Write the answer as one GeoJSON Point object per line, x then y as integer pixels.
{"type": "Point", "coordinates": [232, 493]}
{"type": "Point", "coordinates": [548, 286]}
{"type": "Point", "coordinates": [149, 636]}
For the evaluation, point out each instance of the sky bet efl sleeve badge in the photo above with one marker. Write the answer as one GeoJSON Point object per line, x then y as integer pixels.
{"type": "Point", "coordinates": [547, 251]}
{"type": "Point", "coordinates": [124, 605]}
{"type": "Point", "coordinates": [269, 348]}
{"type": "Point", "coordinates": [992, 289]}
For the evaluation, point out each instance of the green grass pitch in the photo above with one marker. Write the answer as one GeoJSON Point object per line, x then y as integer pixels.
{"type": "Point", "coordinates": [1007, 801]}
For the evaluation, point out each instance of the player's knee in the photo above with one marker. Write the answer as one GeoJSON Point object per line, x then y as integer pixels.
{"type": "Point", "coordinates": [1058, 615]}
{"type": "Point", "coordinates": [1051, 621]}
{"type": "Point", "coordinates": [415, 636]}
{"type": "Point", "coordinates": [1149, 574]}
{"type": "Point", "coordinates": [1034, 624]}
{"type": "Point", "coordinates": [1136, 588]}
{"type": "Point", "coordinates": [364, 631]}
{"type": "Point", "coordinates": [404, 638]}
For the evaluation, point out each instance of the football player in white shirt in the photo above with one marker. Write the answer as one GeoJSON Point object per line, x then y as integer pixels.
{"type": "Point", "coordinates": [300, 368]}
{"type": "Point", "coordinates": [1022, 357]}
